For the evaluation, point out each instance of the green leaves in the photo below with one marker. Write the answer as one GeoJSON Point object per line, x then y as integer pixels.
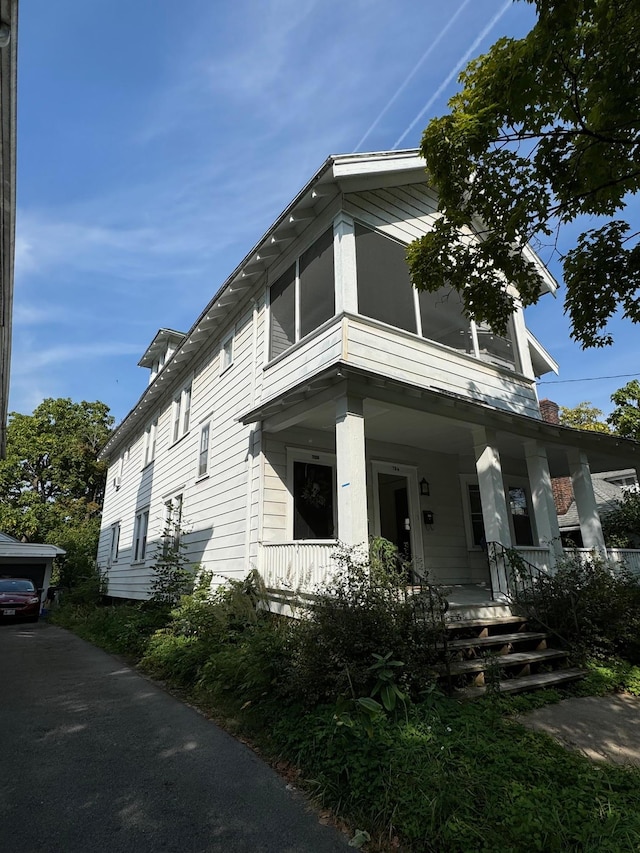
{"type": "Point", "coordinates": [544, 130]}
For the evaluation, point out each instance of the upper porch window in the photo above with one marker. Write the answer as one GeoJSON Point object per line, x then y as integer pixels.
{"type": "Point", "coordinates": [304, 295]}
{"type": "Point", "coordinates": [385, 293]}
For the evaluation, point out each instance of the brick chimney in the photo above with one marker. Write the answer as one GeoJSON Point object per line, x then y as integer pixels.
{"type": "Point", "coordinates": [561, 486]}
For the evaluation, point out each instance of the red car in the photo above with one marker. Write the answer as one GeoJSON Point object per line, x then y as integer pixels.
{"type": "Point", "coordinates": [19, 599]}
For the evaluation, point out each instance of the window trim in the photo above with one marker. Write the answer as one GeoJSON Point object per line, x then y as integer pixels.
{"type": "Point", "coordinates": [170, 537]}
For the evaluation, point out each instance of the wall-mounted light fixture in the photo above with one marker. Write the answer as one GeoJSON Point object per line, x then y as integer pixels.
{"type": "Point", "coordinates": [424, 487]}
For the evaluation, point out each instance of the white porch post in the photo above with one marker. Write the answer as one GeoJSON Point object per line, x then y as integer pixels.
{"type": "Point", "coordinates": [590, 526]}
{"type": "Point", "coordinates": [351, 472]}
{"type": "Point", "coordinates": [544, 507]}
{"type": "Point", "coordinates": [344, 259]}
{"type": "Point", "coordinates": [492, 496]}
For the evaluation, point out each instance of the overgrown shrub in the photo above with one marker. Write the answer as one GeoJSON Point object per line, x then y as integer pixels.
{"type": "Point", "coordinates": [593, 604]}
{"type": "Point", "coordinates": [366, 610]}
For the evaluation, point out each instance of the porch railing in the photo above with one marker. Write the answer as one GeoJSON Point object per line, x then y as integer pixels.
{"type": "Point", "coordinates": [299, 567]}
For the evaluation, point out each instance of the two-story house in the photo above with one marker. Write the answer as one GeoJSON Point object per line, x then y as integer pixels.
{"type": "Point", "coordinates": [319, 397]}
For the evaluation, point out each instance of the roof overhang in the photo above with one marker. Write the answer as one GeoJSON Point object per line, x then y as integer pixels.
{"type": "Point", "coordinates": [604, 452]}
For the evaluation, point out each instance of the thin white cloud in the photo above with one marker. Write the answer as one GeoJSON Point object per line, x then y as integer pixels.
{"type": "Point", "coordinates": [413, 72]}
{"type": "Point", "coordinates": [461, 62]}
{"type": "Point", "coordinates": [37, 359]}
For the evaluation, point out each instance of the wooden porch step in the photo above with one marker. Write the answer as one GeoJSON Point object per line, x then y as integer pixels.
{"type": "Point", "coordinates": [525, 682]}
{"type": "Point", "coordinates": [454, 624]}
{"type": "Point", "coordinates": [497, 640]}
{"type": "Point", "coordinates": [517, 659]}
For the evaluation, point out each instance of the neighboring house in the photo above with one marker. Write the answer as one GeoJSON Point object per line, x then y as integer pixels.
{"type": "Point", "coordinates": [8, 78]}
{"type": "Point", "coordinates": [318, 397]}
{"type": "Point", "coordinates": [609, 488]}
{"type": "Point", "coordinates": [28, 560]}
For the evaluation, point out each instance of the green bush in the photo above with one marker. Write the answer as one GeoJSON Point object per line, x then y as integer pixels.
{"type": "Point", "coordinates": [593, 604]}
{"type": "Point", "coordinates": [364, 611]}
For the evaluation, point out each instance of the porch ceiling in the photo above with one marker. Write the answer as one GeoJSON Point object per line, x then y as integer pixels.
{"type": "Point", "coordinates": [403, 414]}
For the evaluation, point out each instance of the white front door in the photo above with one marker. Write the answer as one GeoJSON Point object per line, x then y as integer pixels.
{"type": "Point", "coordinates": [396, 506]}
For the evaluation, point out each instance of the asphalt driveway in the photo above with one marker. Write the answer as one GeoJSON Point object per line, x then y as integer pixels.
{"type": "Point", "coordinates": [96, 758]}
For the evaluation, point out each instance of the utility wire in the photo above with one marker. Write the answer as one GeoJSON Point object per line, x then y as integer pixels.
{"type": "Point", "coordinates": [586, 379]}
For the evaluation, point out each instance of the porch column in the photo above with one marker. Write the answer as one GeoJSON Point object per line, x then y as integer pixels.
{"type": "Point", "coordinates": [495, 514]}
{"type": "Point", "coordinates": [590, 526]}
{"type": "Point", "coordinates": [344, 261]}
{"type": "Point", "coordinates": [544, 507]}
{"type": "Point", "coordinates": [351, 472]}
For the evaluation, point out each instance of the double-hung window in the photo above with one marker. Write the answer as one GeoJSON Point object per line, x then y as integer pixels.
{"type": "Point", "coordinates": [172, 523]}
{"type": "Point", "coordinates": [140, 535]}
{"type": "Point", "coordinates": [203, 453]}
{"type": "Point", "coordinates": [181, 413]}
{"type": "Point", "coordinates": [150, 442]}
{"type": "Point", "coordinates": [226, 353]}
{"type": "Point", "coordinates": [114, 544]}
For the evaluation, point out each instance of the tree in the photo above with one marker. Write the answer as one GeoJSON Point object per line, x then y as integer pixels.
{"type": "Point", "coordinates": [583, 416]}
{"type": "Point", "coordinates": [625, 418]}
{"type": "Point", "coordinates": [621, 526]}
{"type": "Point", "coordinates": [51, 483]}
{"type": "Point", "coordinates": [545, 129]}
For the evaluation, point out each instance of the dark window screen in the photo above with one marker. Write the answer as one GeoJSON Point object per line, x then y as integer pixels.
{"type": "Point", "coordinates": [317, 301]}
{"type": "Point", "coordinates": [494, 348]}
{"type": "Point", "coordinates": [312, 501]}
{"type": "Point", "coordinates": [477, 521]}
{"type": "Point", "coordinates": [283, 312]}
{"type": "Point", "coordinates": [384, 288]}
{"type": "Point", "coordinates": [443, 319]}
{"type": "Point", "coordinates": [520, 516]}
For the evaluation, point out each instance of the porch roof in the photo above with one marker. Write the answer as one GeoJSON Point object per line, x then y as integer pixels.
{"type": "Point", "coordinates": [311, 403]}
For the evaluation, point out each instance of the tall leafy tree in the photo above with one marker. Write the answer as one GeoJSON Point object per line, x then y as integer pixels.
{"type": "Point", "coordinates": [51, 480]}
{"type": "Point", "coordinates": [545, 130]}
{"type": "Point", "coordinates": [625, 418]}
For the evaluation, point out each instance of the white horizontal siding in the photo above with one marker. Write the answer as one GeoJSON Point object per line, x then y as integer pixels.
{"type": "Point", "coordinates": [381, 349]}
{"type": "Point", "coordinates": [404, 213]}
{"type": "Point", "coordinates": [312, 354]}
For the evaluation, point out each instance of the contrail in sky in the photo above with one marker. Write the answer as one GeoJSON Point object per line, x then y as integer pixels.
{"type": "Point", "coordinates": [415, 69]}
{"type": "Point", "coordinates": [454, 71]}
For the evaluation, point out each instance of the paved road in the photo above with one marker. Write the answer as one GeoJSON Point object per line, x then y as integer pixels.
{"type": "Point", "coordinates": [93, 757]}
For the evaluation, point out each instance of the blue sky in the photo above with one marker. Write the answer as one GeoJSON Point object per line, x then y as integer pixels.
{"type": "Point", "coordinates": [158, 141]}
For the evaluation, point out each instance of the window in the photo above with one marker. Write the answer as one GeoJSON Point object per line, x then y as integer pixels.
{"type": "Point", "coordinates": [384, 286]}
{"type": "Point", "coordinates": [304, 295]}
{"type": "Point", "coordinates": [313, 501]}
{"type": "Point", "coordinates": [385, 293]}
{"type": "Point", "coordinates": [115, 542]}
{"type": "Point", "coordinates": [519, 522]}
{"type": "Point", "coordinates": [475, 511]}
{"type": "Point", "coordinates": [226, 354]}
{"type": "Point", "coordinates": [117, 476]}
{"type": "Point", "coordinates": [520, 518]}
{"type": "Point", "coordinates": [140, 535]}
{"type": "Point", "coordinates": [181, 413]}
{"type": "Point", "coordinates": [150, 442]}
{"type": "Point", "coordinates": [172, 523]}
{"type": "Point", "coordinates": [203, 453]}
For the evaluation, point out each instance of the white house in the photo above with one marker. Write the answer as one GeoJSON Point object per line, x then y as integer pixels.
{"type": "Point", "coordinates": [319, 397]}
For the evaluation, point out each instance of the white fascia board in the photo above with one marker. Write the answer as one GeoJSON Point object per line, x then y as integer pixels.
{"type": "Point", "coordinates": [549, 284]}
{"type": "Point", "coordinates": [29, 549]}
{"type": "Point", "coordinates": [348, 165]}
{"type": "Point", "coordinates": [540, 356]}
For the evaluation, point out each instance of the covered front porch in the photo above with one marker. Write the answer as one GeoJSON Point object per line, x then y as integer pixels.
{"type": "Point", "coordinates": [351, 455]}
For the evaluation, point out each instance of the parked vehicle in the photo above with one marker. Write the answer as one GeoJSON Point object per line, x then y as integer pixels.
{"type": "Point", "coordinates": [19, 599]}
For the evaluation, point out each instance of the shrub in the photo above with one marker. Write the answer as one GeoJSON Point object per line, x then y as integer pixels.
{"type": "Point", "coordinates": [365, 611]}
{"type": "Point", "coordinates": [593, 604]}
